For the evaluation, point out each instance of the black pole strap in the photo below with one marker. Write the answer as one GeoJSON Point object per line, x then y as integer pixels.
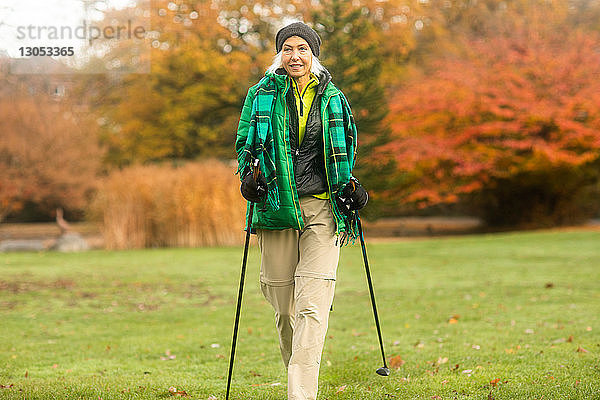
{"type": "Point", "coordinates": [371, 292]}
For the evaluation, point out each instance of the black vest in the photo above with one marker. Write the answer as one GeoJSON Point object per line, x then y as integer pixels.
{"type": "Point", "coordinates": [308, 157]}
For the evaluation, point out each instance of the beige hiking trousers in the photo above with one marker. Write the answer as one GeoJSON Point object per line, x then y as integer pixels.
{"type": "Point", "coordinates": [297, 276]}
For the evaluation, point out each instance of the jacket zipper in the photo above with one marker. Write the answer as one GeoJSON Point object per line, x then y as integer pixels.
{"type": "Point", "coordinates": [317, 97]}
{"type": "Point", "coordinates": [300, 97]}
{"type": "Point", "coordinates": [298, 144]}
{"type": "Point", "coordinates": [292, 174]}
{"type": "Point", "coordinates": [297, 137]}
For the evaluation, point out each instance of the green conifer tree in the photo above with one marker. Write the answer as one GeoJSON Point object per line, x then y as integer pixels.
{"type": "Point", "coordinates": [351, 53]}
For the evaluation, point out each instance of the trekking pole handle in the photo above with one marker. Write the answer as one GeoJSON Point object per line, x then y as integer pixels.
{"type": "Point", "coordinates": [255, 169]}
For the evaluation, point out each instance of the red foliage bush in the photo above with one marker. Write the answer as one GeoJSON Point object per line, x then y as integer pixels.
{"type": "Point", "coordinates": [517, 113]}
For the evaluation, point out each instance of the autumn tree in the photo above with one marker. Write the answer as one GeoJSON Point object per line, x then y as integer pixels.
{"type": "Point", "coordinates": [350, 52]}
{"type": "Point", "coordinates": [188, 105]}
{"type": "Point", "coordinates": [512, 124]}
{"type": "Point", "coordinates": [49, 154]}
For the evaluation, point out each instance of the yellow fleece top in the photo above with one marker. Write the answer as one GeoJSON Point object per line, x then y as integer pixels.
{"type": "Point", "coordinates": [305, 100]}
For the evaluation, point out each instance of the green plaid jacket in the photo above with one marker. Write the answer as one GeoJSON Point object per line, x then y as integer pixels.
{"type": "Point", "coordinates": [263, 133]}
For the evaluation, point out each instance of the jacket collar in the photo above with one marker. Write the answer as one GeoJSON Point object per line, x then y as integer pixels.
{"type": "Point", "coordinates": [281, 75]}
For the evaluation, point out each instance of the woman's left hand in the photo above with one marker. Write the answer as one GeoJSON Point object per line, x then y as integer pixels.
{"type": "Point", "coordinates": [353, 196]}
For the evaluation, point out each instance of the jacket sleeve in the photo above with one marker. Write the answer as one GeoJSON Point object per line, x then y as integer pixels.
{"type": "Point", "coordinates": [351, 133]}
{"type": "Point", "coordinates": [244, 124]}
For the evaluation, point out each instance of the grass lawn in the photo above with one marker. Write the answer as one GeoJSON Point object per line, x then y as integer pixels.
{"type": "Point", "coordinates": [502, 316]}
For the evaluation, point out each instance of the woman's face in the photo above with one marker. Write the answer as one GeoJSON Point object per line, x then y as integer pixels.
{"type": "Point", "coordinates": [296, 57]}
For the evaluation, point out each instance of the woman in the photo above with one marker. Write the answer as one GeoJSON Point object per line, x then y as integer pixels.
{"type": "Point", "coordinates": [300, 127]}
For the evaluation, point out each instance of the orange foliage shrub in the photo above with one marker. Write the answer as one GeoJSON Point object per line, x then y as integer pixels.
{"type": "Point", "coordinates": [512, 124]}
{"type": "Point", "coordinates": [198, 204]}
{"type": "Point", "coordinates": [49, 154]}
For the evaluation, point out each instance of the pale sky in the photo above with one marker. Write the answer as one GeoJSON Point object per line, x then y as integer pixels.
{"type": "Point", "coordinates": [42, 13]}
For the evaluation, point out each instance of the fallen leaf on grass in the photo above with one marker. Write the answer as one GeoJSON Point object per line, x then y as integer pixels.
{"type": "Point", "coordinates": [511, 350]}
{"type": "Point", "coordinates": [168, 356]}
{"type": "Point", "coordinates": [453, 319]}
{"type": "Point", "coordinates": [6, 386]}
{"type": "Point", "coordinates": [174, 392]}
{"type": "Point", "coordinates": [396, 362]}
{"type": "Point", "coordinates": [570, 339]}
{"type": "Point", "coordinates": [341, 389]}
{"type": "Point", "coordinates": [581, 350]}
{"type": "Point", "coordinates": [254, 373]}
{"type": "Point", "coordinates": [494, 382]}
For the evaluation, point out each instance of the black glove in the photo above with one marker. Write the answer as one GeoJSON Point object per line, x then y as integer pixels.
{"type": "Point", "coordinates": [253, 190]}
{"type": "Point", "coordinates": [352, 197]}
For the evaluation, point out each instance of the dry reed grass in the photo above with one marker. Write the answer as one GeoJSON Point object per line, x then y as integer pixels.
{"type": "Point", "coordinates": [198, 204]}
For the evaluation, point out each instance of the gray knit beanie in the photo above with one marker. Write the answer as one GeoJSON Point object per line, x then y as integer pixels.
{"type": "Point", "coordinates": [298, 29]}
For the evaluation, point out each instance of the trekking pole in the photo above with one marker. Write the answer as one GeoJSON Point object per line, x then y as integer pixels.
{"type": "Point", "coordinates": [383, 371]}
{"type": "Point", "coordinates": [241, 288]}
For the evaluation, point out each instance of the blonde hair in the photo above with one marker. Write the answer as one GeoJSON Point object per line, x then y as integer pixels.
{"type": "Point", "coordinates": [316, 67]}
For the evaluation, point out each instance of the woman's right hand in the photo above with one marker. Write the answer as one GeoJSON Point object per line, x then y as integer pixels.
{"type": "Point", "coordinates": [254, 190]}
